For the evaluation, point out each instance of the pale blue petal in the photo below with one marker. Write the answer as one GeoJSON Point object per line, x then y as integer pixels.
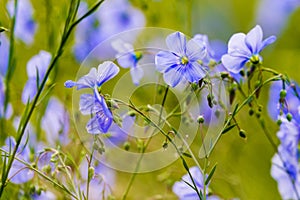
{"type": "Point", "coordinates": [267, 42]}
{"type": "Point", "coordinates": [254, 39]}
{"type": "Point", "coordinates": [173, 75]}
{"type": "Point", "coordinates": [29, 91]}
{"type": "Point", "coordinates": [4, 51]}
{"type": "Point", "coordinates": [194, 72]}
{"type": "Point", "coordinates": [122, 47]}
{"type": "Point", "coordinates": [137, 74]}
{"type": "Point", "coordinates": [195, 51]}
{"type": "Point", "coordinates": [86, 104]}
{"type": "Point", "coordinates": [176, 42]}
{"type": "Point", "coordinates": [165, 59]}
{"type": "Point", "coordinates": [106, 71]}
{"type": "Point", "coordinates": [233, 64]}
{"type": "Point", "coordinates": [92, 126]}
{"type": "Point", "coordinates": [38, 63]}
{"type": "Point", "coordinates": [101, 101]}
{"type": "Point", "coordinates": [237, 43]}
{"type": "Point", "coordinates": [70, 84]}
{"type": "Point", "coordinates": [126, 60]}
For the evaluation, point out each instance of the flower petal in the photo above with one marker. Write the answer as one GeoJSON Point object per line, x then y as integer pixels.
{"type": "Point", "coordinates": [194, 72]}
{"type": "Point", "coordinates": [137, 74]}
{"type": "Point", "coordinates": [165, 59]}
{"type": "Point", "coordinates": [173, 75]}
{"type": "Point", "coordinates": [176, 42]}
{"type": "Point", "coordinates": [266, 42]}
{"type": "Point", "coordinates": [254, 38]}
{"type": "Point", "coordinates": [87, 81]}
{"type": "Point", "coordinates": [29, 90]}
{"type": "Point", "coordinates": [86, 104]}
{"type": "Point", "coordinates": [237, 43]}
{"type": "Point", "coordinates": [195, 51]}
{"type": "Point", "coordinates": [126, 60]}
{"type": "Point", "coordinates": [106, 71]}
{"type": "Point", "coordinates": [233, 64]}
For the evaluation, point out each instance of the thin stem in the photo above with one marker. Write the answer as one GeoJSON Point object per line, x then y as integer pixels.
{"type": "Point", "coordinates": [58, 54]}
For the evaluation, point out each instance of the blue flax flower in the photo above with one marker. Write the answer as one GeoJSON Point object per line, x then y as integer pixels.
{"type": "Point", "coordinates": [95, 104]}
{"type": "Point", "coordinates": [9, 109]}
{"type": "Point", "coordinates": [36, 70]}
{"type": "Point", "coordinates": [244, 48]}
{"type": "Point", "coordinates": [181, 63]}
{"type": "Point", "coordinates": [25, 26]}
{"type": "Point", "coordinates": [285, 167]}
{"type": "Point", "coordinates": [185, 192]}
{"type": "Point", "coordinates": [56, 123]}
{"type": "Point", "coordinates": [19, 173]}
{"type": "Point", "coordinates": [128, 58]}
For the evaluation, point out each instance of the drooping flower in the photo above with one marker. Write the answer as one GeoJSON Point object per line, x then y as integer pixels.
{"type": "Point", "coordinates": [25, 26]}
{"type": "Point", "coordinates": [94, 104]}
{"type": "Point", "coordinates": [19, 173]}
{"type": "Point", "coordinates": [274, 24]}
{"type": "Point", "coordinates": [181, 62]}
{"type": "Point", "coordinates": [113, 17]}
{"type": "Point", "coordinates": [244, 48]}
{"type": "Point", "coordinates": [36, 70]}
{"type": "Point", "coordinates": [128, 58]}
{"type": "Point", "coordinates": [55, 122]}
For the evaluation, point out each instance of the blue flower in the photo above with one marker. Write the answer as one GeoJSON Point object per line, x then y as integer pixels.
{"type": "Point", "coordinates": [244, 48]}
{"type": "Point", "coordinates": [113, 17]}
{"type": "Point", "coordinates": [291, 102]}
{"type": "Point", "coordinates": [128, 58]}
{"type": "Point", "coordinates": [18, 173]}
{"type": "Point", "coordinates": [4, 52]}
{"type": "Point", "coordinates": [55, 123]}
{"type": "Point", "coordinates": [95, 104]}
{"type": "Point", "coordinates": [274, 24]}
{"type": "Point", "coordinates": [25, 26]}
{"type": "Point", "coordinates": [185, 192]}
{"type": "Point", "coordinates": [36, 70]}
{"type": "Point", "coordinates": [181, 63]}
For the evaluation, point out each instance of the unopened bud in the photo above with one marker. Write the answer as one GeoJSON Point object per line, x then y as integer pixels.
{"type": "Point", "coordinates": [200, 119]}
{"type": "Point", "coordinates": [251, 112]}
{"type": "Point", "coordinates": [242, 134]}
{"type": "Point", "coordinates": [289, 117]}
{"type": "Point", "coordinates": [282, 94]}
{"type": "Point", "coordinates": [126, 145]}
{"type": "Point", "coordinates": [279, 122]}
{"type": "Point", "coordinates": [91, 173]}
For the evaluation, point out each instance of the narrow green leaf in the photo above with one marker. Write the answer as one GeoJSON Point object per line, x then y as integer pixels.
{"type": "Point", "coordinates": [235, 109]}
{"type": "Point", "coordinates": [210, 174]}
{"type": "Point", "coordinates": [187, 155]}
{"type": "Point", "coordinates": [228, 128]}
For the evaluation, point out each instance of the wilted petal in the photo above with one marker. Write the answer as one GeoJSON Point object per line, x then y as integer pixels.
{"type": "Point", "coordinates": [176, 42]}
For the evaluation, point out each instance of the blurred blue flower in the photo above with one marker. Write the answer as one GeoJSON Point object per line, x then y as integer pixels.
{"type": "Point", "coordinates": [128, 58]}
{"type": "Point", "coordinates": [18, 173]}
{"type": "Point", "coordinates": [291, 104]}
{"type": "Point", "coordinates": [101, 183]}
{"type": "Point", "coordinates": [185, 192]}
{"type": "Point", "coordinates": [36, 70]}
{"type": "Point", "coordinates": [95, 78]}
{"type": "Point", "coordinates": [181, 63]}
{"type": "Point", "coordinates": [45, 195]}
{"type": "Point", "coordinates": [113, 17]}
{"type": "Point", "coordinates": [9, 109]}
{"type": "Point", "coordinates": [4, 54]}
{"type": "Point", "coordinates": [55, 123]}
{"type": "Point", "coordinates": [25, 26]}
{"type": "Point", "coordinates": [243, 48]}
{"type": "Point", "coordinates": [274, 24]}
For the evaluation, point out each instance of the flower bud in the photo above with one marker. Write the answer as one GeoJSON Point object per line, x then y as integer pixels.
{"type": "Point", "coordinates": [91, 173]}
{"type": "Point", "coordinates": [126, 145]}
{"type": "Point", "coordinates": [200, 119]}
{"type": "Point", "coordinates": [242, 134]}
{"type": "Point", "coordinates": [289, 117]}
{"type": "Point", "coordinates": [282, 94]}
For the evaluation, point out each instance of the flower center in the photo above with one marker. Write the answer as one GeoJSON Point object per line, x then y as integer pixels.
{"type": "Point", "coordinates": [184, 60]}
{"type": "Point", "coordinates": [255, 59]}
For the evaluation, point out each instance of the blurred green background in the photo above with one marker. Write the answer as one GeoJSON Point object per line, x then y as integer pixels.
{"type": "Point", "coordinates": [243, 165]}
